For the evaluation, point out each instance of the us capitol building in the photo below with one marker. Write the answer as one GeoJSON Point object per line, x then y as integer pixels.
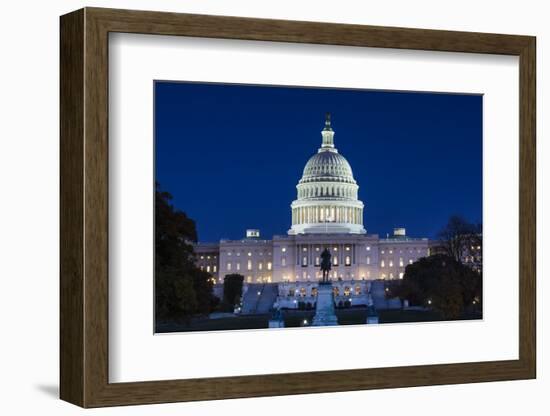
{"type": "Point", "coordinates": [327, 213]}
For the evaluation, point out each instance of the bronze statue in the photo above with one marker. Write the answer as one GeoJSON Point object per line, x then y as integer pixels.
{"type": "Point", "coordinates": [325, 265]}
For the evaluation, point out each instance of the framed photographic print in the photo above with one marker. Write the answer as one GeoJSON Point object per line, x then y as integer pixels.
{"type": "Point", "coordinates": [256, 207]}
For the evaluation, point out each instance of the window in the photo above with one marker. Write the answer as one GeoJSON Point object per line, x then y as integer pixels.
{"type": "Point", "coordinates": [368, 259]}
{"type": "Point", "coordinates": [346, 291]}
{"type": "Point", "coordinates": [368, 248]}
{"type": "Point", "coordinates": [269, 265]}
{"type": "Point", "coordinates": [283, 261]}
{"type": "Point", "coordinates": [410, 261]}
{"type": "Point", "coordinates": [357, 290]}
{"type": "Point", "coordinates": [249, 265]}
{"type": "Point", "coordinates": [391, 275]}
{"type": "Point", "coordinates": [391, 263]}
{"type": "Point", "coordinates": [391, 251]}
{"type": "Point", "coordinates": [208, 269]}
{"type": "Point", "coordinates": [304, 261]}
{"type": "Point", "coordinates": [238, 266]}
{"type": "Point", "coordinates": [228, 266]}
{"type": "Point", "coordinates": [347, 248]}
{"type": "Point", "coordinates": [260, 266]}
{"type": "Point", "coordinates": [401, 275]}
{"type": "Point", "coordinates": [202, 257]}
{"type": "Point", "coordinates": [335, 248]}
{"type": "Point", "coordinates": [335, 261]}
{"type": "Point", "coordinates": [215, 268]}
{"type": "Point", "coordinates": [400, 261]}
{"type": "Point", "coordinates": [317, 261]}
{"type": "Point", "coordinates": [283, 249]}
{"type": "Point", "coordinates": [249, 254]}
{"type": "Point", "coordinates": [382, 263]}
{"type": "Point", "coordinates": [249, 279]}
{"type": "Point", "coordinates": [348, 261]}
{"type": "Point", "coordinates": [382, 252]}
{"type": "Point", "coordinates": [304, 249]}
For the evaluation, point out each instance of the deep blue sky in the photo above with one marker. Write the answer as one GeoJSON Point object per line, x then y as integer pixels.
{"type": "Point", "coordinates": [231, 155]}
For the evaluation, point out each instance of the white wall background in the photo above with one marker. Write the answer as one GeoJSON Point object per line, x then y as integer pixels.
{"type": "Point", "coordinates": [29, 85]}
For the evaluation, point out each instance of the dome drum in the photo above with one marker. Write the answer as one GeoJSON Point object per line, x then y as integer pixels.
{"type": "Point", "coordinates": [327, 190]}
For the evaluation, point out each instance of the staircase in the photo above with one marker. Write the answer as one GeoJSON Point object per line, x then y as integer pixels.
{"type": "Point", "coordinates": [267, 298]}
{"type": "Point", "coordinates": [251, 298]}
{"type": "Point", "coordinates": [262, 302]}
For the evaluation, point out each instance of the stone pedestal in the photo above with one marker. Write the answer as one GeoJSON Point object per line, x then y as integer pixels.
{"type": "Point", "coordinates": [372, 315]}
{"type": "Point", "coordinates": [277, 320]}
{"type": "Point", "coordinates": [324, 309]}
{"type": "Point", "coordinates": [276, 323]}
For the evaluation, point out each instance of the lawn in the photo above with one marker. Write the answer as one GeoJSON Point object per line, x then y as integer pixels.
{"type": "Point", "coordinates": [295, 318]}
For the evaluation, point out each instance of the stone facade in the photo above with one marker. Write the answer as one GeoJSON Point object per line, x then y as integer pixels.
{"type": "Point", "coordinates": [294, 258]}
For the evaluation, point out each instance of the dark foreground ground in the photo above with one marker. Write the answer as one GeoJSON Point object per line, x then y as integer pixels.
{"type": "Point", "coordinates": [351, 316]}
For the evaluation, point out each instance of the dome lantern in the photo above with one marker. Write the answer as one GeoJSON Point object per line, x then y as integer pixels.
{"type": "Point", "coordinates": [327, 134]}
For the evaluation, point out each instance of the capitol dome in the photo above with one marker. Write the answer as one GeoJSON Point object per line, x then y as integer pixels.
{"type": "Point", "coordinates": [327, 200]}
{"type": "Point", "coordinates": [327, 166]}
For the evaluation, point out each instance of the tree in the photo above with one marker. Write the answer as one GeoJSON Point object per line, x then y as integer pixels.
{"type": "Point", "coordinates": [181, 289]}
{"type": "Point", "coordinates": [232, 289]}
{"type": "Point", "coordinates": [460, 238]}
{"type": "Point", "coordinates": [440, 282]}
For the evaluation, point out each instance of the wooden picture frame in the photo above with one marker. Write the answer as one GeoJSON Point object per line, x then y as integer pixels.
{"type": "Point", "coordinates": [84, 207]}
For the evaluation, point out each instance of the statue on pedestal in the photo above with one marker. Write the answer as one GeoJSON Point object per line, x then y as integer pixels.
{"type": "Point", "coordinates": [326, 264]}
{"type": "Point", "coordinates": [325, 314]}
